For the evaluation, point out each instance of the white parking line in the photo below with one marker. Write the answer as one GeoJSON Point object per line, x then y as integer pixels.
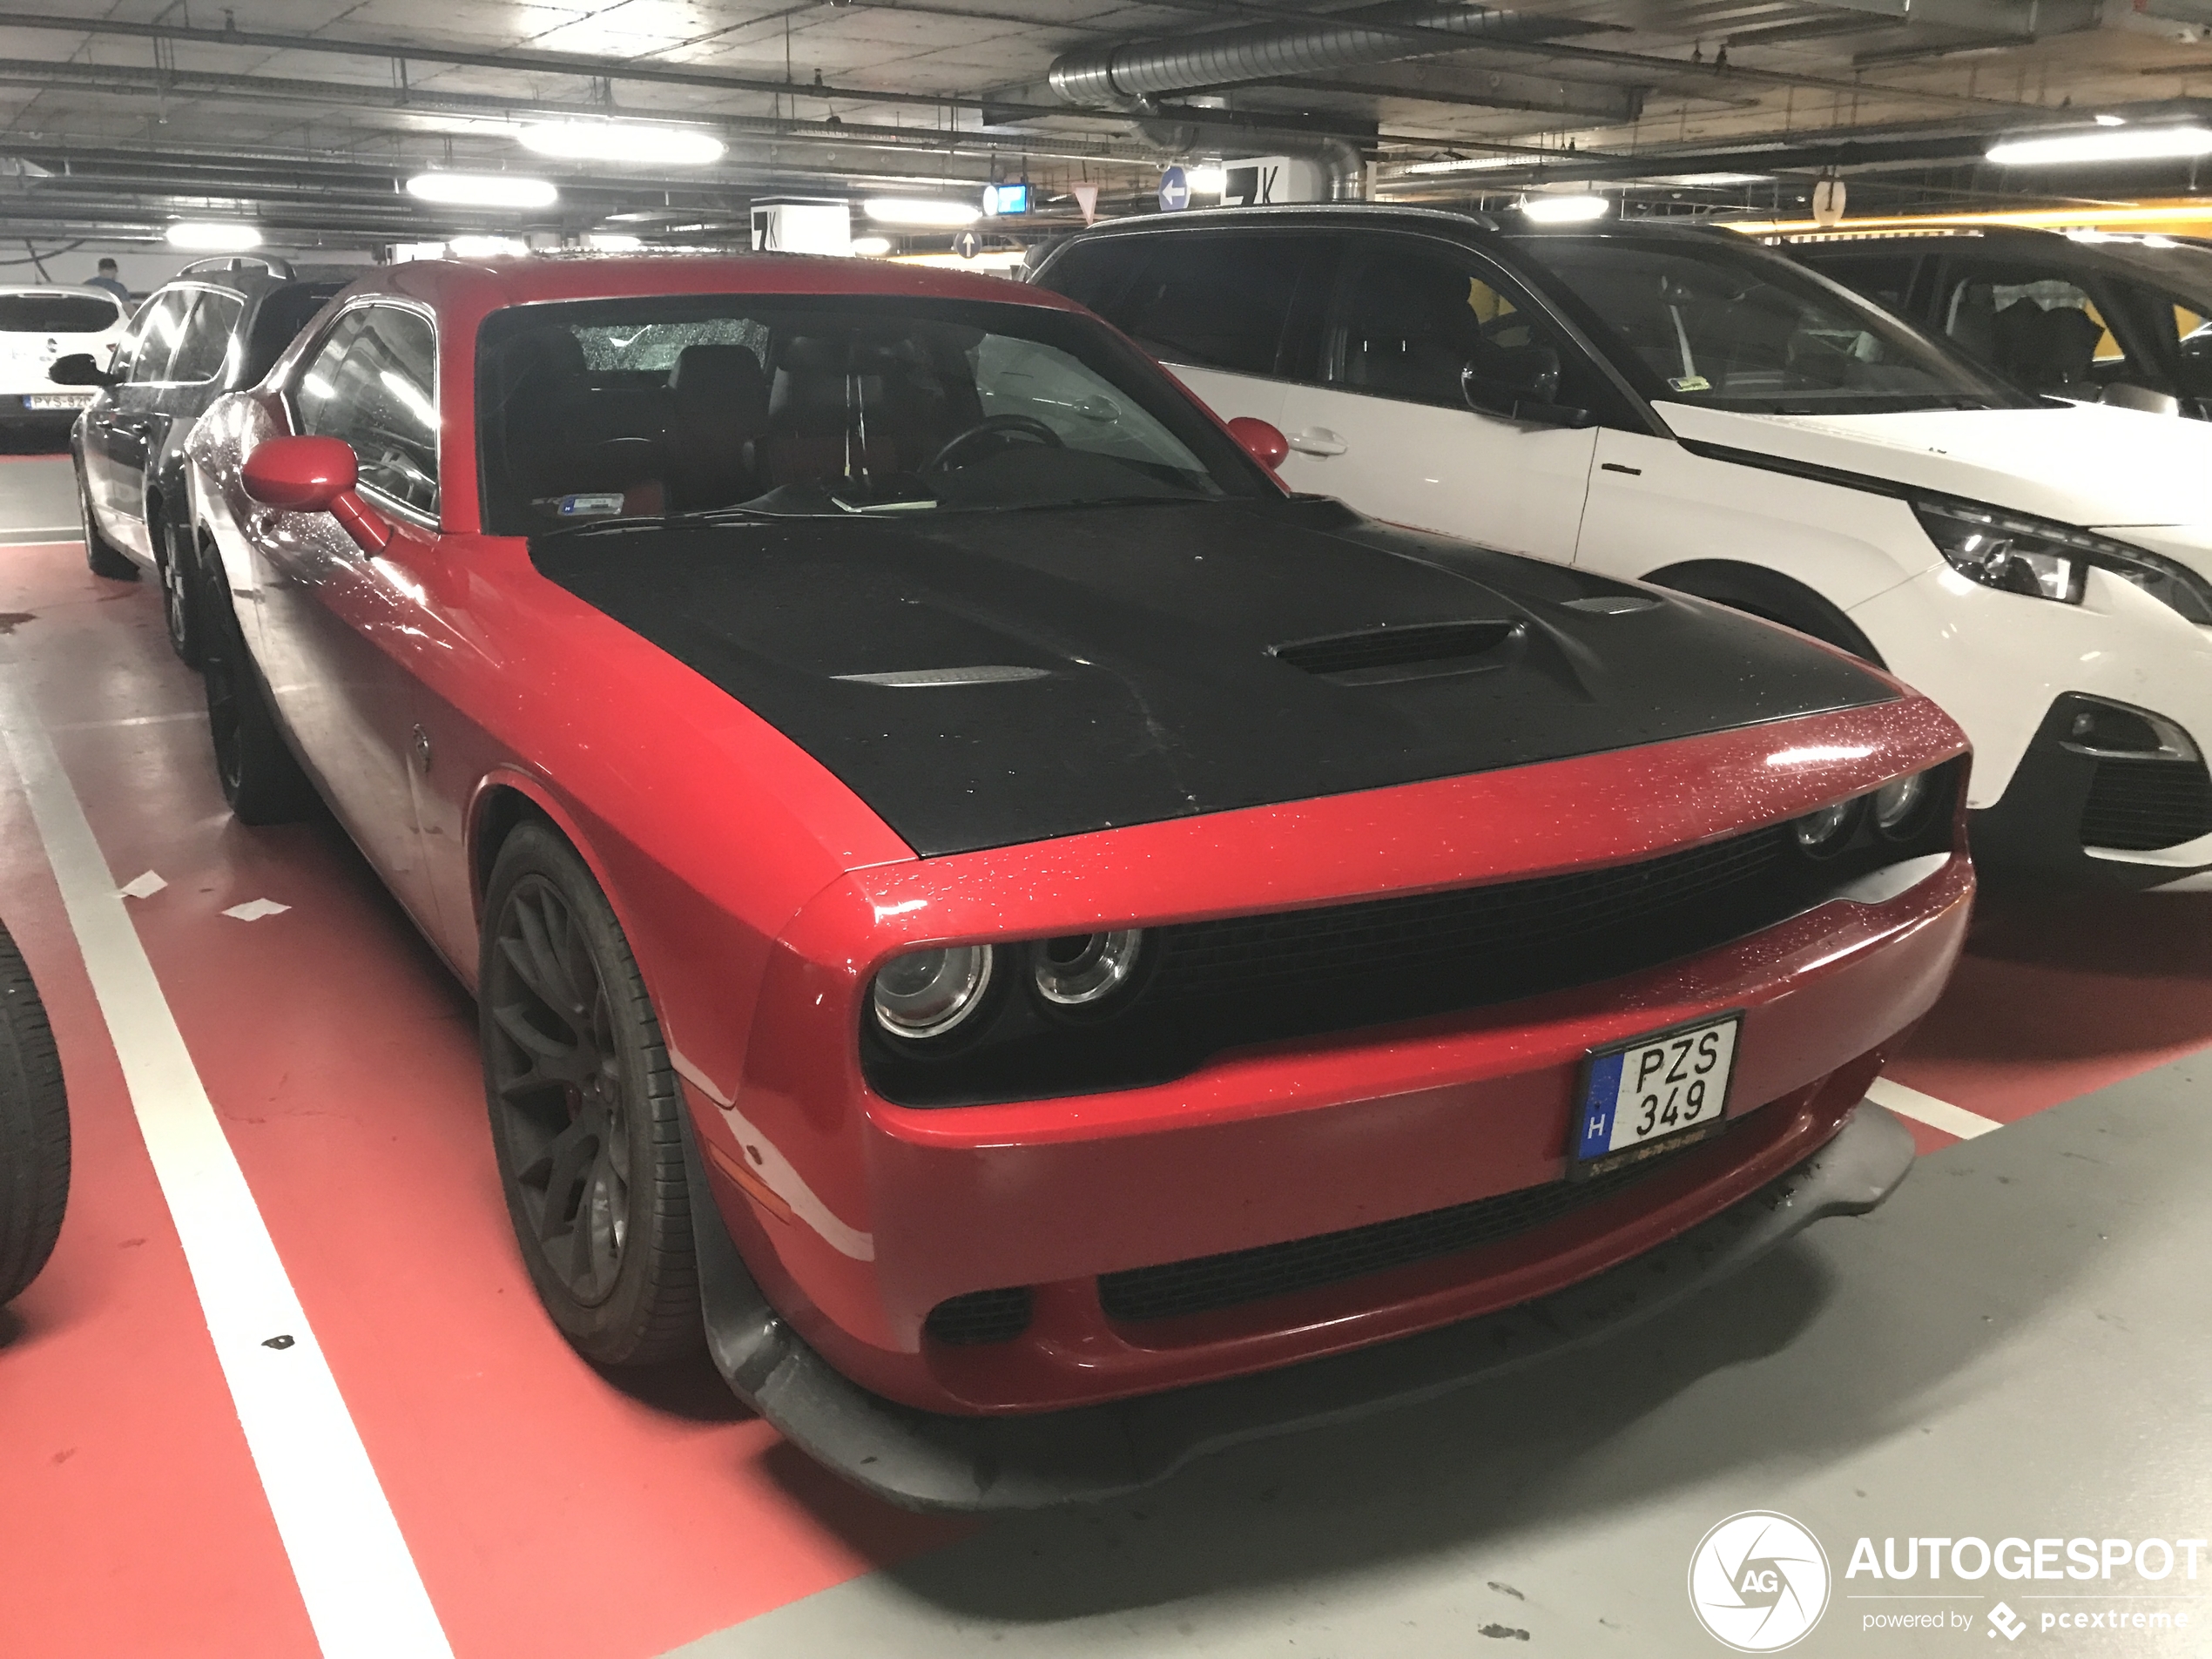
{"type": "Point", "coordinates": [363, 1595]}
{"type": "Point", "coordinates": [1927, 1108]}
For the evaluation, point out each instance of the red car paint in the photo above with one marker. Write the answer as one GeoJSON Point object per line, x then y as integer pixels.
{"type": "Point", "coordinates": [759, 896]}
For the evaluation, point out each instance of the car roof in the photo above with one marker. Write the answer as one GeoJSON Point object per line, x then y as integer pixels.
{"type": "Point", "coordinates": [488, 284]}
{"type": "Point", "coordinates": [56, 287]}
{"type": "Point", "coordinates": [1463, 223]}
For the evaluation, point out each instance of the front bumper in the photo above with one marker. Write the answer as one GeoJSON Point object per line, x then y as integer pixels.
{"type": "Point", "coordinates": [927, 1461]}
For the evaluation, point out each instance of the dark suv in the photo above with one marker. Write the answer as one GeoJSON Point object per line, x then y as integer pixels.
{"type": "Point", "coordinates": [215, 329]}
{"type": "Point", "coordinates": [2090, 315]}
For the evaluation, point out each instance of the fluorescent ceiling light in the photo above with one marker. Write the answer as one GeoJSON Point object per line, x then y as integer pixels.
{"type": "Point", "coordinates": [613, 242]}
{"type": "Point", "coordinates": [487, 247]}
{"type": "Point", "coordinates": [871, 248]}
{"type": "Point", "coordinates": [1469, 163]}
{"type": "Point", "coordinates": [1565, 210]}
{"type": "Point", "coordinates": [906, 210]}
{"type": "Point", "coordinates": [2108, 144]}
{"type": "Point", "coordinates": [212, 236]}
{"type": "Point", "coordinates": [1207, 180]}
{"type": "Point", "coordinates": [2110, 120]}
{"type": "Point", "coordinates": [1709, 179]}
{"type": "Point", "coordinates": [482, 190]}
{"type": "Point", "coordinates": [622, 141]}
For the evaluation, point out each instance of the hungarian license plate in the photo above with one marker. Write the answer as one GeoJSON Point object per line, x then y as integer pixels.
{"type": "Point", "coordinates": [1653, 1093]}
{"type": "Point", "coordinates": [57, 400]}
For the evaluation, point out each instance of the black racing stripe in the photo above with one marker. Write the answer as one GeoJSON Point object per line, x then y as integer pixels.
{"type": "Point", "coordinates": [1147, 635]}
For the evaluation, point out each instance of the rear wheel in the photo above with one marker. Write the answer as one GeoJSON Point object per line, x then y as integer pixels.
{"type": "Point", "coordinates": [34, 1127]}
{"type": "Point", "coordinates": [102, 557]}
{"type": "Point", "coordinates": [585, 1110]}
{"type": "Point", "coordinates": [260, 779]}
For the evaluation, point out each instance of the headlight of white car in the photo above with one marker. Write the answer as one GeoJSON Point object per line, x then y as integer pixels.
{"type": "Point", "coordinates": [2046, 560]}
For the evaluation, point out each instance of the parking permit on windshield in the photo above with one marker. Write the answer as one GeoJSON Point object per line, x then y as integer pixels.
{"type": "Point", "coordinates": [1653, 1093]}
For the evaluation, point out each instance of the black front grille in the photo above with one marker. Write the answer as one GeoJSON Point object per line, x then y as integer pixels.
{"type": "Point", "coordinates": [981, 1316]}
{"type": "Point", "coordinates": [2141, 805]}
{"type": "Point", "coordinates": [1207, 1283]}
{"type": "Point", "coordinates": [1203, 987]}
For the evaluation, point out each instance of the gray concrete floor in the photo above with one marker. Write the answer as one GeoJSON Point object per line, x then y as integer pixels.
{"type": "Point", "coordinates": [2016, 1346]}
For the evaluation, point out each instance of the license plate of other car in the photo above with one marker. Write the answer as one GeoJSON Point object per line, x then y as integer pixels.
{"type": "Point", "coordinates": [1653, 1093]}
{"type": "Point", "coordinates": [57, 400]}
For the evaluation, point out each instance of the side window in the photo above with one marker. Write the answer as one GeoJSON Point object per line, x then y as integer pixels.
{"type": "Point", "coordinates": [159, 329]}
{"type": "Point", "coordinates": [1215, 302]}
{"type": "Point", "coordinates": [207, 338]}
{"type": "Point", "coordinates": [1090, 273]}
{"type": "Point", "coordinates": [1416, 322]}
{"type": "Point", "coordinates": [373, 383]}
{"type": "Point", "coordinates": [2041, 331]}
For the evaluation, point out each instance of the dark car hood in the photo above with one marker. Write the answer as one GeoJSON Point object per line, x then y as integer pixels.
{"type": "Point", "coordinates": [1136, 651]}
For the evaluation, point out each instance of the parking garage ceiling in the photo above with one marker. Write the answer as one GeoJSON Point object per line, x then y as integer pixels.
{"type": "Point", "coordinates": [308, 116]}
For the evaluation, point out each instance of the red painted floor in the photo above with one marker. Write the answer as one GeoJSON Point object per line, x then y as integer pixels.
{"type": "Point", "coordinates": [551, 1510]}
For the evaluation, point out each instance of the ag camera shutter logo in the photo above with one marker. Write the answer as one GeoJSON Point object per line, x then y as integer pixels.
{"type": "Point", "coordinates": [1758, 1582]}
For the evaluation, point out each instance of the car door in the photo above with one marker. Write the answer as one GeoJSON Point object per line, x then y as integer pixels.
{"type": "Point", "coordinates": [117, 428]}
{"type": "Point", "coordinates": [1415, 329]}
{"type": "Point", "coordinates": [336, 624]}
{"type": "Point", "coordinates": [195, 370]}
{"type": "Point", "coordinates": [1232, 315]}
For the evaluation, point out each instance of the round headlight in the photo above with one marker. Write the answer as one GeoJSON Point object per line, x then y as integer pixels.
{"type": "Point", "coordinates": [927, 992]}
{"type": "Point", "coordinates": [1897, 803]}
{"type": "Point", "coordinates": [1081, 969]}
{"type": "Point", "coordinates": [1825, 831]}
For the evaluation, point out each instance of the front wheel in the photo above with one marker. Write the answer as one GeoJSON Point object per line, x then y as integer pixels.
{"type": "Point", "coordinates": [260, 779]}
{"type": "Point", "coordinates": [179, 597]}
{"type": "Point", "coordinates": [585, 1110]}
{"type": "Point", "coordinates": [34, 1127]}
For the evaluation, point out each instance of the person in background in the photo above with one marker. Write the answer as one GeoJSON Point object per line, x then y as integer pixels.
{"type": "Point", "coordinates": [108, 279]}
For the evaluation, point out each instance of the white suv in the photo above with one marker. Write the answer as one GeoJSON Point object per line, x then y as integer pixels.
{"type": "Point", "coordinates": [1682, 406]}
{"type": "Point", "coordinates": [38, 325]}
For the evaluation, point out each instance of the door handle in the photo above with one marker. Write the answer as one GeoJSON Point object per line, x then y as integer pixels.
{"type": "Point", "coordinates": [1316, 441]}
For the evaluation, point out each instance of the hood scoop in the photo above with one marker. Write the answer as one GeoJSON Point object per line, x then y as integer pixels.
{"type": "Point", "coordinates": [980, 674]}
{"type": "Point", "coordinates": [1411, 651]}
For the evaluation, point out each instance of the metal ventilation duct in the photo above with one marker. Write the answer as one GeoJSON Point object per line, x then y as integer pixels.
{"type": "Point", "coordinates": [1117, 77]}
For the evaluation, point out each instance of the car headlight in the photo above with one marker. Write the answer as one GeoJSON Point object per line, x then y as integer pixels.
{"type": "Point", "coordinates": [1897, 806]}
{"type": "Point", "coordinates": [1082, 968]}
{"type": "Point", "coordinates": [2043, 559]}
{"type": "Point", "coordinates": [1825, 831]}
{"type": "Point", "coordinates": [931, 992]}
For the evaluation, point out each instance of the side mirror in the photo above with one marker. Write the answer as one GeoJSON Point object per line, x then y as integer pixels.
{"type": "Point", "coordinates": [79, 369]}
{"type": "Point", "coordinates": [1262, 442]}
{"type": "Point", "coordinates": [1521, 383]}
{"type": "Point", "coordinates": [2121, 394]}
{"type": "Point", "coordinates": [314, 476]}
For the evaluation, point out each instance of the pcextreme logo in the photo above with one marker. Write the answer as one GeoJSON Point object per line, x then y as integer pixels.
{"type": "Point", "coordinates": [1758, 1582]}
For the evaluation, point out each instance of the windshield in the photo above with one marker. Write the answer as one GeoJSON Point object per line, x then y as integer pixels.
{"type": "Point", "coordinates": [1735, 329]}
{"type": "Point", "coordinates": [822, 405]}
{"type": "Point", "coordinates": [57, 313]}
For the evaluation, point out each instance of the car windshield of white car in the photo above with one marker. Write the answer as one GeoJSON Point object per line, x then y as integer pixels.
{"type": "Point", "coordinates": [1736, 328]}
{"type": "Point", "coordinates": [57, 314]}
{"type": "Point", "coordinates": [827, 406]}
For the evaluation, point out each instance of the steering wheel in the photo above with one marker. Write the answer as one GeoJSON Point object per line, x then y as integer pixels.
{"type": "Point", "coordinates": [990, 425]}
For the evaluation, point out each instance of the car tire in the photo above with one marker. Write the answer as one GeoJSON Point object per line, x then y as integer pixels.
{"type": "Point", "coordinates": [1771, 597]}
{"type": "Point", "coordinates": [180, 602]}
{"type": "Point", "coordinates": [261, 781]}
{"type": "Point", "coordinates": [586, 1113]}
{"type": "Point", "coordinates": [102, 557]}
{"type": "Point", "coordinates": [34, 1127]}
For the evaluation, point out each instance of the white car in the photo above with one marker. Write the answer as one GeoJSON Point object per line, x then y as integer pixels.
{"type": "Point", "coordinates": [1680, 406]}
{"type": "Point", "coordinates": [38, 325]}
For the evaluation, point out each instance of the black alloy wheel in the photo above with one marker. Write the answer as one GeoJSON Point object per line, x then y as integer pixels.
{"type": "Point", "coordinates": [260, 779]}
{"type": "Point", "coordinates": [585, 1110]}
{"type": "Point", "coordinates": [179, 597]}
{"type": "Point", "coordinates": [34, 1127]}
{"type": "Point", "coordinates": [102, 557]}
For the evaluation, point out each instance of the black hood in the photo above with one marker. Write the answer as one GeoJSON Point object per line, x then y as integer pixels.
{"type": "Point", "coordinates": [985, 679]}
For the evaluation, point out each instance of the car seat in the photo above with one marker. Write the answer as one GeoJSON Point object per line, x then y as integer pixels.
{"type": "Point", "coordinates": [718, 412]}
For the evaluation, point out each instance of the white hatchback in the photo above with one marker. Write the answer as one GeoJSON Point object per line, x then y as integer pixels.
{"type": "Point", "coordinates": [38, 325]}
{"type": "Point", "coordinates": [1680, 406]}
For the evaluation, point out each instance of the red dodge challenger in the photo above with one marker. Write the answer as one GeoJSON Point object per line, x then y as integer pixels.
{"type": "Point", "coordinates": [1053, 953]}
